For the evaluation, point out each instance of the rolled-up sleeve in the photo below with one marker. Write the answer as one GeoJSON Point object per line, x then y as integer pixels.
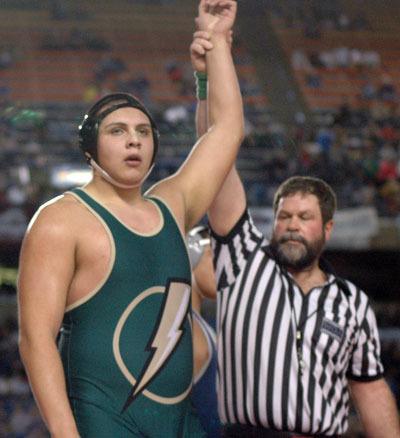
{"type": "Point", "coordinates": [366, 363]}
{"type": "Point", "coordinates": [232, 251]}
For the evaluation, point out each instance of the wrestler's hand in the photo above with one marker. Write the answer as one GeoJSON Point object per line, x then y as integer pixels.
{"type": "Point", "coordinates": [200, 45]}
{"type": "Point", "coordinates": [216, 16]}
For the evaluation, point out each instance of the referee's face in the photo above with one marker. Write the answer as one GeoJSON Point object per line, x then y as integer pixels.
{"type": "Point", "coordinates": [299, 235]}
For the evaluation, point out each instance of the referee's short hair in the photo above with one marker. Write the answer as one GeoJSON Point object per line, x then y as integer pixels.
{"type": "Point", "coordinates": [309, 185]}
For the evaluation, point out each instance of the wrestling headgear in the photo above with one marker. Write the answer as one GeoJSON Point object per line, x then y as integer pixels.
{"type": "Point", "coordinates": [89, 128]}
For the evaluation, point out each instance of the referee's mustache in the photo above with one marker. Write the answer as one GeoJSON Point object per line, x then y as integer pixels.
{"type": "Point", "coordinates": [292, 236]}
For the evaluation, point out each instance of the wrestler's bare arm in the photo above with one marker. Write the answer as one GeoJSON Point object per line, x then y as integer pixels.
{"type": "Point", "coordinates": [230, 202]}
{"type": "Point", "coordinates": [191, 190]}
{"type": "Point", "coordinates": [46, 270]}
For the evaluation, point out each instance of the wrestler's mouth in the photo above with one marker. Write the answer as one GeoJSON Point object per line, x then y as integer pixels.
{"type": "Point", "coordinates": [133, 160]}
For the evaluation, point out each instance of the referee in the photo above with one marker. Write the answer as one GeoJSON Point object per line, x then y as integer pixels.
{"type": "Point", "coordinates": [294, 339]}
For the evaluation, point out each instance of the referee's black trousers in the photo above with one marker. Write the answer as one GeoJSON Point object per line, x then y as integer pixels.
{"type": "Point", "coordinates": [245, 431]}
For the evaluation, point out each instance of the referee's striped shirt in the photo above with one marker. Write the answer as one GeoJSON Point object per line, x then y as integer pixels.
{"type": "Point", "coordinates": [284, 357]}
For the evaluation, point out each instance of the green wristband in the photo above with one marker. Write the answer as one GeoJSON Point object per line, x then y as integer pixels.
{"type": "Point", "coordinates": [201, 85]}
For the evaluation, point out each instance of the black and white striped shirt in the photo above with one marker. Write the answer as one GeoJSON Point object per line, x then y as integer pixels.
{"type": "Point", "coordinates": [284, 357]}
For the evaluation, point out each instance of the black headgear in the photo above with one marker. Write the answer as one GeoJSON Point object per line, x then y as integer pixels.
{"type": "Point", "coordinates": [89, 128]}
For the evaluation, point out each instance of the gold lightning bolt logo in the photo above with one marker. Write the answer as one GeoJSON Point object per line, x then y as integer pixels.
{"type": "Point", "coordinates": [165, 337]}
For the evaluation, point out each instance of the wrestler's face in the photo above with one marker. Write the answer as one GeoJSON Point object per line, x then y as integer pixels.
{"type": "Point", "coordinates": [299, 234]}
{"type": "Point", "coordinates": [125, 144]}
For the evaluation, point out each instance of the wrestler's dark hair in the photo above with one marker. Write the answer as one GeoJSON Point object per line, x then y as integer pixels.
{"type": "Point", "coordinates": [89, 128]}
{"type": "Point", "coordinates": [312, 186]}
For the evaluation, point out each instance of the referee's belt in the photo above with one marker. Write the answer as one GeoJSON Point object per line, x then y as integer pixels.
{"type": "Point", "coordinates": [247, 431]}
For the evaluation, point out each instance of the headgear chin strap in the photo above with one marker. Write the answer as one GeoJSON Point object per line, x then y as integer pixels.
{"type": "Point", "coordinates": [112, 181]}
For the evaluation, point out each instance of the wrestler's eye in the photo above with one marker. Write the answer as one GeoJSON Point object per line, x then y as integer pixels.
{"type": "Point", "coordinates": [144, 131]}
{"type": "Point", "coordinates": [117, 130]}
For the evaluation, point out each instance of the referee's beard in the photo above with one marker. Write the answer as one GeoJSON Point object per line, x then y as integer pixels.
{"type": "Point", "coordinates": [296, 256]}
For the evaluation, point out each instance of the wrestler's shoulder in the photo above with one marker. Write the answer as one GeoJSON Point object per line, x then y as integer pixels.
{"type": "Point", "coordinates": [63, 211]}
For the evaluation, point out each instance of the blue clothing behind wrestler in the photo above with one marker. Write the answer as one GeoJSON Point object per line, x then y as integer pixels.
{"type": "Point", "coordinates": [204, 392]}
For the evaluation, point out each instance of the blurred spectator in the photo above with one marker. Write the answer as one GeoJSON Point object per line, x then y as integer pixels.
{"type": "Point", "coordinates": [91, 93]}
{"type": "Point", "coordinates": [390, 193]}
{"type": "Point", "coordinates": [343, 117]}
{"type": "Point", "coordinates": [177, 114]}
{"type": "Point", "coordinates": [343, 22]}
{"type": "Point", "coordinates": [325, 139]}
{"type": "Point", "coordinates": [371, 58]}
{"type": "Point", "coordinates": [313, 79]}
{"type": "Point", "coordinates": [174, 71]}
{"type": "Point", "coordinates": [344, 57]}
{"type": "Point", "coordinates": [61, 10]}
{"type": "Point", "coordinates": [299, 60]}
{"type": "Point", "coordinates": [138, 85]}
{"type": "Point", "coordinates": [108, 65]}
{"type": "Point", "coordinates": [179, 78]}
{"type": "Point", "coordinates": [387, 90]}
{"type": "Point", "coordinates": [6, 58]}
{"type": "Point", "coordinates": [368, 90]}
{"type": "Point", "coordinates": [388, 168]}
{"type": "Point", "coordinates": [5, 93]}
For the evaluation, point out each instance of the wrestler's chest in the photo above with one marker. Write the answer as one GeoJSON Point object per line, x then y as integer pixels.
{"type": "Point", "coordinates": [95, 246]}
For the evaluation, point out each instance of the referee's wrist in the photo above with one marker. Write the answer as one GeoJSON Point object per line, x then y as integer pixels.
{"type": "Point", "coordinates": [201, 85]}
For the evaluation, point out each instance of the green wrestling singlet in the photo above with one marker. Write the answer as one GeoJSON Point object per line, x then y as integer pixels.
{"type": "Point", "coordinates": [126, 347]}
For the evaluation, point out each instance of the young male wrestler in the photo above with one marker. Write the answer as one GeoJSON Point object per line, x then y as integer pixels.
{"type": "Point", "coordinates": [108, 266]}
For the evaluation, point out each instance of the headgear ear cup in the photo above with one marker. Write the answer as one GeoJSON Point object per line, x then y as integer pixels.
{"type": "Point", "coordinates": [88, 129]}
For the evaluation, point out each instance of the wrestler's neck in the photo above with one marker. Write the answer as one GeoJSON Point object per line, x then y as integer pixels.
{"type": "Point", "coordinates": [109, 193]}
{"type": "Point", "coordinates": [310, 277]}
